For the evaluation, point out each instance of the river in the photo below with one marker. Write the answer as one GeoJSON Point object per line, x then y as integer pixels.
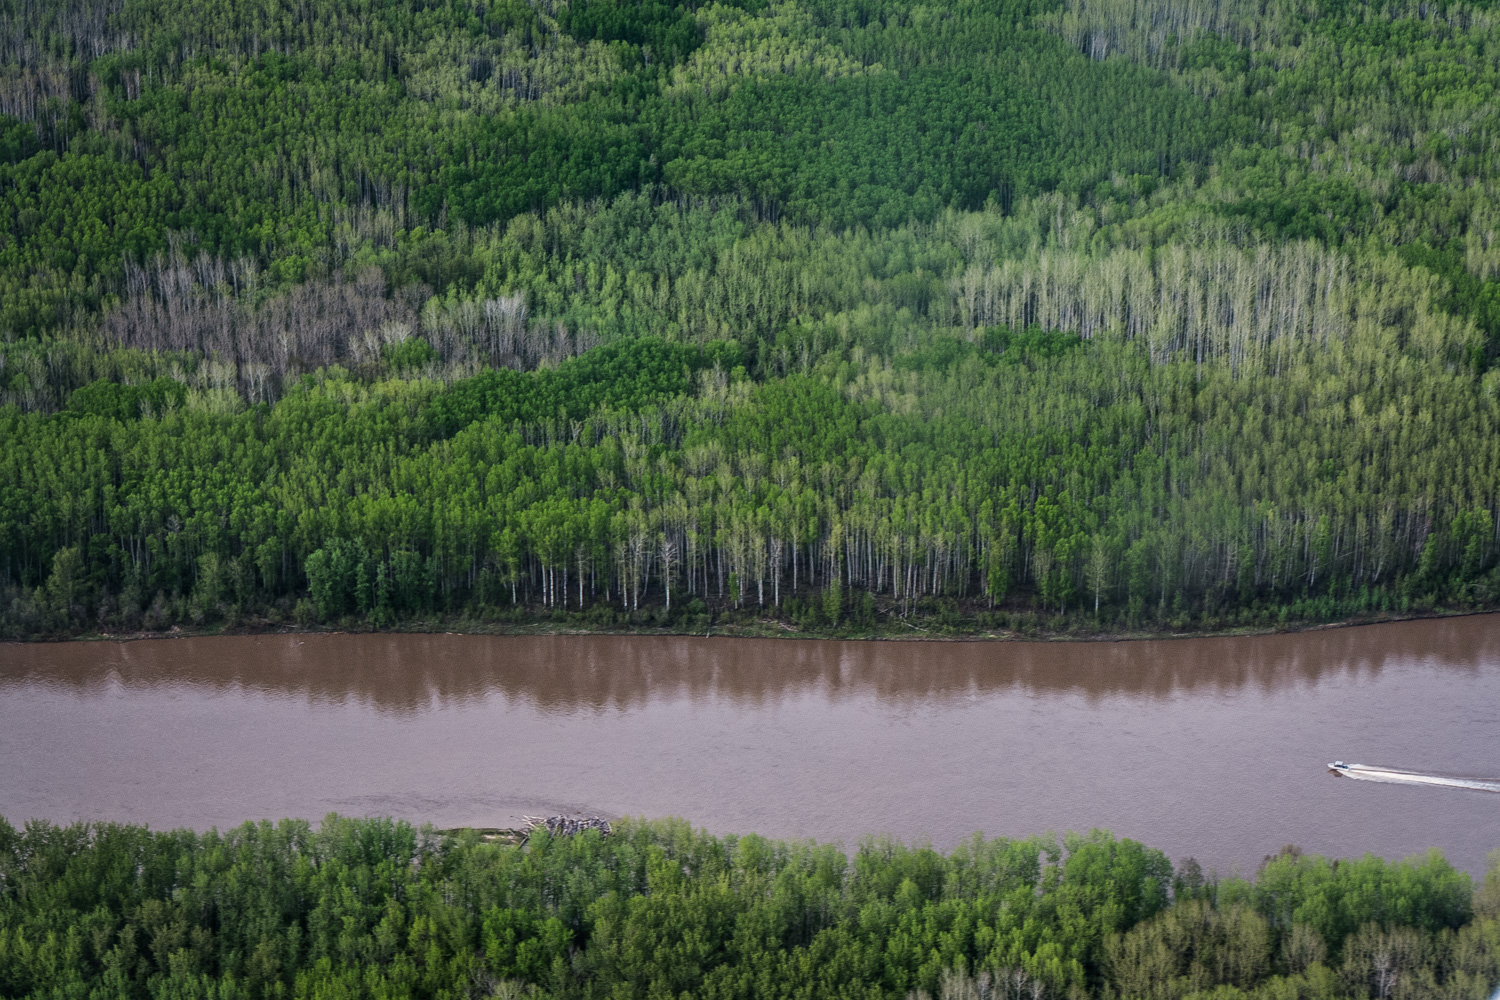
{"type": "Point", "coordinates": [1212, 748]}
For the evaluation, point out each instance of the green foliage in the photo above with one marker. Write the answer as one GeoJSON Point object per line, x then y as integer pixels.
{"type": "Point", "coordinates": [114, 401]}
{"type": "Point", "coordinates": [1424, 893]}
{"type": "Point", "coordinates": [373, 907]}
{"type": "Point", "coordinates": [18, 141]}
{"type": "Point", "coordinates": [1467, 294]}
{"type": "Point", "coordinates": [631, 375]}
{"type": "Point", "coordinates": [977, 313]}
{"type": "Point", "coordinates": [1283, 201]}
{"type": "Point", "coordinates": [409, 355]}
{"type": "Point", "coordinates": [392, 124]}
{"type": "Point", "coordinates": [1035, 468]}
{"type": "Point", "coordinates": [669, 29]}
{"type": "Point", "coordinates": [1315, 928]}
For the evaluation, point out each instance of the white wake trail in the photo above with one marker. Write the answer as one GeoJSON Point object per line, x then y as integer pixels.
{"type": "Point", "coordinates": [1366, 772]}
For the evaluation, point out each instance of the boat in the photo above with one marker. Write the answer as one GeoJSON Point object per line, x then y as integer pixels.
{"type": "Point", "coordinates": [1338, 767]}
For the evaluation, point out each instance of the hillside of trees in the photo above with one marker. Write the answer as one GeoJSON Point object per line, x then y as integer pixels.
{"type": "Point", "coordinates": [374, 908]}
{"type": "Point", "coordinates": [842, 316]}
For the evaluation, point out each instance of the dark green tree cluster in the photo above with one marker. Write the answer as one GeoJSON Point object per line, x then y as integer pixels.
{"type": "Point", "coordinates": [372, 908]}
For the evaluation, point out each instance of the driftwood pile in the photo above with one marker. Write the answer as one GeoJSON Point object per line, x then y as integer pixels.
{"type": "Point", "coordinates": [563, 826]}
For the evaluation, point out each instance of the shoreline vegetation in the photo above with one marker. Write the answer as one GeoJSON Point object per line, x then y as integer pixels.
{"type": "Point", "coordinates": [761, 628]}
{"type": "Point", "coordinates": [712, 497]}
{"type": "Point", "coordinates": [379, 909]}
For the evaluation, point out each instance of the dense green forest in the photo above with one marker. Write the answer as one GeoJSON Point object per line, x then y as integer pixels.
{"type": "Point", "coordinates": [841, 315]}
{"type": "Point", "coordinates": [373, 908]}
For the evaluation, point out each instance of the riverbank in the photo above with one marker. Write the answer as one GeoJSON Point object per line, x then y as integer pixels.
{"type": "Point", "coordinates": [1041, 628]}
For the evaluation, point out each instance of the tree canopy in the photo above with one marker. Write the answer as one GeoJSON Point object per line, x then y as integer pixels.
{"type": "Point", "coordinates": [376, 908]}
{"type": "Point", "coordinates": [1001, 316]}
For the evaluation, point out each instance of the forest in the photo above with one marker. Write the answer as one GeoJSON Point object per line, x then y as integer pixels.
{"type": "Point", "coordinates": [843, 317]}
{"type": "Point", "coordinates": [375, 908]}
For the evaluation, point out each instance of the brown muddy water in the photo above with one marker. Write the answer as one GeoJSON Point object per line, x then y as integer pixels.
{"type": "Point", "coordinates": [1215, 748]}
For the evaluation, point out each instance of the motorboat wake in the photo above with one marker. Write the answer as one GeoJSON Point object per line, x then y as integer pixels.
{"type": "Point", "coordinates": [1369, 772]}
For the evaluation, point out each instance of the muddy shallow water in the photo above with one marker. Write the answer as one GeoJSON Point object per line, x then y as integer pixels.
{"type": "Point", "coordinates": [1215, 748]}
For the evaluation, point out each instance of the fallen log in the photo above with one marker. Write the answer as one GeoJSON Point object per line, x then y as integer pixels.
{"type": "Point", "coordinates": [563, 826]}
